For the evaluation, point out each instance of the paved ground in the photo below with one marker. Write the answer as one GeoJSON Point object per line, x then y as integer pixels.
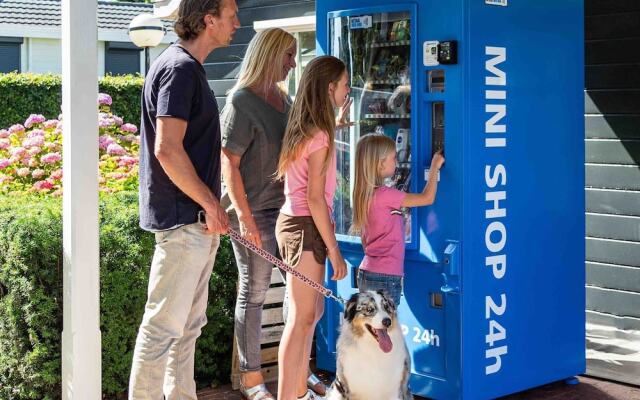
{"type": "Point", "coordinates": [588, 389]}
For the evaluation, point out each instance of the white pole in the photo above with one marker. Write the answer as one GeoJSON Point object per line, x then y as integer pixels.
{"type": "Point", "coordinates": [81, 358]}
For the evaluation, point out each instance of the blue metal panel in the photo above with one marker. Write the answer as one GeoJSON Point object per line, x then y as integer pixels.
{"type": "Point", "coordinates": [543, 160]}
{"type": "Point", "coordinates": [517, 197]}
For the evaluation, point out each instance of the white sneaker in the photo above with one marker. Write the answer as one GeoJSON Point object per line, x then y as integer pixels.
{"type": "Point", "coordinates": [311, 395]}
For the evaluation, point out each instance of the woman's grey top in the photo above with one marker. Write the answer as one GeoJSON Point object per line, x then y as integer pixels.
{"type": "Point", "coordinates": [253, 129]}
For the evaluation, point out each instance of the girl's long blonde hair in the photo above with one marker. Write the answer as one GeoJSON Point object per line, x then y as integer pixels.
{"type": "Point", "coordinates": [311, 110]}
{"type": "Point", "coordinates": [371, 150]}
{"type": "Point", "coordinates": [262, 63]}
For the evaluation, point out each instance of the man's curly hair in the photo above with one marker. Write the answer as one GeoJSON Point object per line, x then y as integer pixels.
{"type": "Point", "coordinates": [191, 14]}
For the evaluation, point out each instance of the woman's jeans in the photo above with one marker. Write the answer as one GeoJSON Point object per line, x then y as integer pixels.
{"type": "Point", "coordinates": [254, 278]}
{"type": "Point", "coordinates": [392, 284]}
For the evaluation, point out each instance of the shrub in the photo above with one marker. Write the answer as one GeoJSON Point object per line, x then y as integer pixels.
{"type": "Point", "coordinates": [31, 154]}
{"type": "Point", "coordinates": [31, 297]}
{"type": "Point", "coordinates": [27, 93]}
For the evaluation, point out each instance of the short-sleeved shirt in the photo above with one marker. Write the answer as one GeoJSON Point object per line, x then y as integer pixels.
{"type": "Point", "coordinates": [253, 129]}
{"type": "Point", "coordinates": [297, 177]}
{"type": "Point", "coordinates": [176, 86]}
{"type": "Point", "coordinates": [383, 235]}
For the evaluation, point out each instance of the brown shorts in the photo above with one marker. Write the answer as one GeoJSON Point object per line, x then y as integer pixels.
{"type": "Point", "coordinates": [298, 234]}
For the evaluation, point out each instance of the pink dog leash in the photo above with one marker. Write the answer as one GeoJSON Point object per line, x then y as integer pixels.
{"type": "Point", "coordinates": [279, 263]}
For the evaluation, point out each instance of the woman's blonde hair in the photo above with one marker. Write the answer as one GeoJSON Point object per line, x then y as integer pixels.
{"type": "Point", "coordinates": [262, 63]}
{"type": "Point", "coordinates": [311, 110]}
{"type": "Point", "coordinates": [371, 150]}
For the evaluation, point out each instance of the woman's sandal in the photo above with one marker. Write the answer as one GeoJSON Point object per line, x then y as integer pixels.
{"type": "Point", "coordinates": [257, 392]}
{"type": "Point", "coordinates": [316, 385]}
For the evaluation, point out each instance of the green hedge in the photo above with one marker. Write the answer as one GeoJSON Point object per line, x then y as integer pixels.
{"type": "Point", "coordinates": [31, 298]}
{"type": "Point", "coordinates": [25, 94]}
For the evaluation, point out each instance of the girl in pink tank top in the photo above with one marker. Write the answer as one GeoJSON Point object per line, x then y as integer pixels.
{"type": "Point", "coordinates": [304, 230]}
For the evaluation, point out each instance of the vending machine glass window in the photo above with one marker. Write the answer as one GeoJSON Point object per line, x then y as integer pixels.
{"type": "Point", "coordinates": [306, 51]}
{"type": "Point", "coordinates": [376, 49]}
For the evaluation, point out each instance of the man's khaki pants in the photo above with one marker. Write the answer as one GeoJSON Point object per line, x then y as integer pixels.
{"type": "Point", "coordinates": [163, 360]}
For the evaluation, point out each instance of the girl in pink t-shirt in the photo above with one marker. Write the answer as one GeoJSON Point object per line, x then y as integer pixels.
{"type": "Point", "coordinates": [377, 216]}
{"type": "Point", "coordinates": [304, 229]}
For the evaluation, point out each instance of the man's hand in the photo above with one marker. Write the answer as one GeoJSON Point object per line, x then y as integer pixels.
{"type": "Point", "coordinates": [216, 221]}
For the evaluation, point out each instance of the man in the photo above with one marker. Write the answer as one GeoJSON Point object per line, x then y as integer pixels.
{"type": "Point", "coordinates": [180, 178]}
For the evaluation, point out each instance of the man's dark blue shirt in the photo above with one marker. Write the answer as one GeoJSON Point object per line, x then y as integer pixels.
{"type": "Point", "coordinates": [176, 86]}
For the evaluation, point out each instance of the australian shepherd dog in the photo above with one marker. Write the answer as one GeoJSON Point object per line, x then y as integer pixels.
{"type": "Point", "coordinates": [373, 361]}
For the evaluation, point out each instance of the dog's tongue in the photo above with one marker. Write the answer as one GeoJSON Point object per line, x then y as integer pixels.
{"type": "Point", "coordinates": [384, 341]}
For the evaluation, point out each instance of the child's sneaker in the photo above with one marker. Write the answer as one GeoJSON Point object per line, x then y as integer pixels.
{"type": "Point", "coordinates": [311, 395]}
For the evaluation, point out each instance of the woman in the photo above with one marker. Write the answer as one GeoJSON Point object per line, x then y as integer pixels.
{"type": "Point", "coordinates": [253, 124]}
{"type": "Point", "coordinates": [304, 229]}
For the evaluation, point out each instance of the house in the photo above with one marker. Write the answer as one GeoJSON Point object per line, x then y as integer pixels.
{"type": "Point", "coordinates": [30, 37]}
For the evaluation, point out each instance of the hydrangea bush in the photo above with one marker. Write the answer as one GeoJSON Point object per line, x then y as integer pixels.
{"type": "Point", "coordinates": [31, 154]}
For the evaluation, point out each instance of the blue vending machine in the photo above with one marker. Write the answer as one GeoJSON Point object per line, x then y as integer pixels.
{"type": "Point", "coordinates": [494, 299]}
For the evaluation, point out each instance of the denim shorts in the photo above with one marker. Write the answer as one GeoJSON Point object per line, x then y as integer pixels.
{"type": "Point", "coordinates": [392, 284]}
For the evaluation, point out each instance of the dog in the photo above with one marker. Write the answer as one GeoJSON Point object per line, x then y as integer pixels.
{"type": "Point", "coordinates": [373, 360]}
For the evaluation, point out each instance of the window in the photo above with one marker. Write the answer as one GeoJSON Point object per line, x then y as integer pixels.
{"type": "Point", "coordinates": [306, 52]}
{"type": "Point", "coordinates": [10, 48]}
{"type": "Point", "coordinates": [121, 58]}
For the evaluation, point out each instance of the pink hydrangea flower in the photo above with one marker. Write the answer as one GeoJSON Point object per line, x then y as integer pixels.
{"type": "Point", "coordinates": [4, 133]}
{"type": "Point", "coordinates": [104, 99]}
{"type": "Point", "coordinates": [52, 146]}
{"type": "Point", "coordinates": [34, 150]}
{"type": "Point", "coordinates": [51, 158]}
{"type": "Point", "coordinates": [33, 162]}
{"type": "Point", "coordinates": [17, 128]}
{"type": "Point", "coordinates": [5, 178]}
{"type": "Point", "coordinates": [105, 122]}
{"type": "Point", "coordinates": [57, 174]}
{"type": "Point", "coordinates": [104, 141]}
{"type": "Point", "coordinates": [51, 124]}
{"type": "Point", "coordinates": [33, 120]}
{"type": "Point", "coordinates": [38, 173]}
{"type": "Point", "coordinates": [36, 133]}
{"type": "Point", "coordinates": [127, 160]}
{"type": "Point", "coordinates": [33, 141]}
{"type": "Point", "coordinates": [4, 163]}
{"type": "Point", "coordinates": [4, 144]}
{"type": "Point", "coordinates": [18, 151]}
{"type": "Point", "coordinates": [22, 172]}
{"type": "Point", "coordinates": [131, 128]}
{"type": "Point", "coordinates": [116, 175]}
{"type": "Point", "coordinates": [117, 120]}
{"type": "Point", "coordinates": [57, 193]}
{"type": "Point", "coordinates": [43, 185]}
{"type": "Point", "coordinates": [114, 149]}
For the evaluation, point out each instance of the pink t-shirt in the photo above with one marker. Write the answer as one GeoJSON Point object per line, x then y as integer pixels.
{"type": "Point", "coordinates": [383, 236]}
{"type": "Point", "coordinates": [297, 177]}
